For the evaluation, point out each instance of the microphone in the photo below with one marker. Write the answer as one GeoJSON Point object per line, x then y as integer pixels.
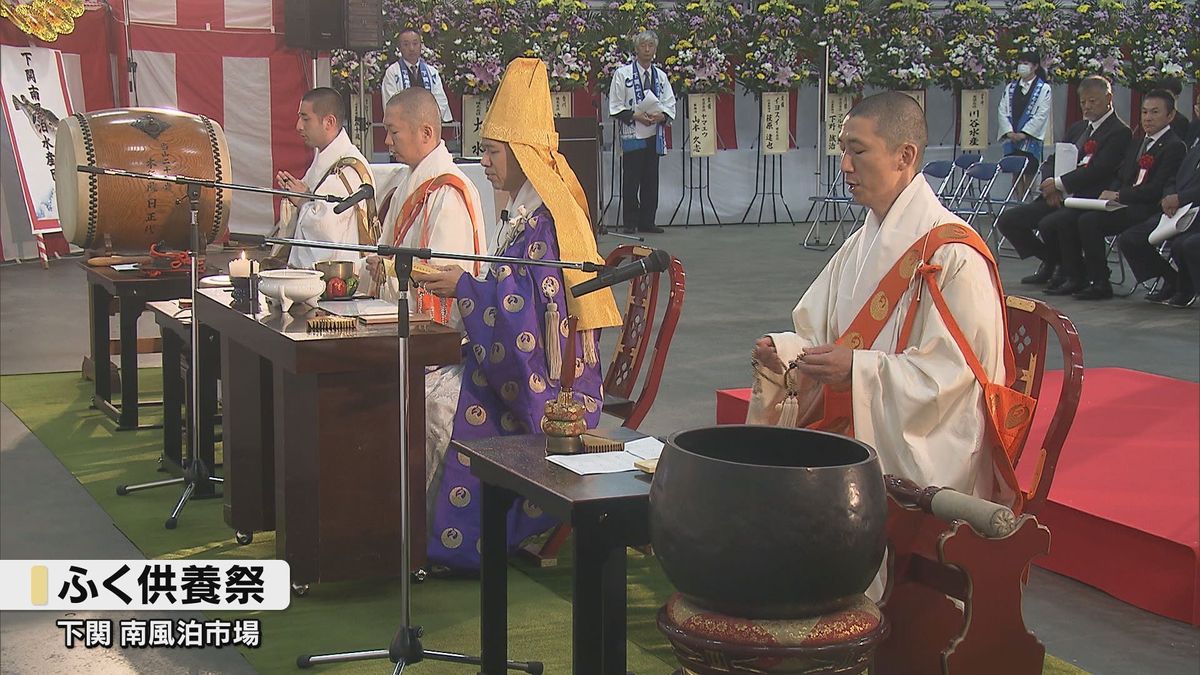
{"type": "Point", "coordinates": [657, 261]}
{"type": "Point", "coordinates": [366, 191]}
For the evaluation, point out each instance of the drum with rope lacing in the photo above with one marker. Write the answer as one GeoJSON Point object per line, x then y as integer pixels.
{"type": "Point", "coordinates": [137, 212]}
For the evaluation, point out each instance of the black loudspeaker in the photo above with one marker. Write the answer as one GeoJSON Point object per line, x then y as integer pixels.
{"type": "Point", "coordinates": [364, 25]}
{"type": "Point", "coordinates": [315, 24]}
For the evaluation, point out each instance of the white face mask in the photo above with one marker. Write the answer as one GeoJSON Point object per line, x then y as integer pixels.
{"type": "Point", "coordinates": [1024, 69]}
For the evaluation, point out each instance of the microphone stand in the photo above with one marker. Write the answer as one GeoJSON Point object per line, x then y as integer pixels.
{"type": "Point", "coordinates": [406, 647]}
{"type": "Point", "coordinates": [197, 475]}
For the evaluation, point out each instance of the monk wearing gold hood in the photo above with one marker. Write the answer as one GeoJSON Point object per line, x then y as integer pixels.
{"type": "Point", "coordinates": [515, 316]}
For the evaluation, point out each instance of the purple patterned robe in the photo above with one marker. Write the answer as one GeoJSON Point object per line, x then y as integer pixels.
{"type": "Point", "coordinates": [505, 385]}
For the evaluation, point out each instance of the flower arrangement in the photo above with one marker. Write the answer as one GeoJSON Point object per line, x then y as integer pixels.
{"type": "Point", "coordinates": [899, 46]}
{"type": "Point", "coordinates": [696, 61]}
{"type": "Point", "coordinates": [1092, 41]}
{"type": "Point", "coordinates": [555, 30]}
{"type": "Point", "coordinates": [780, 57]}
{"type": "Point", "coordinates": [615, 29]}
{"type": "Point", "coordinates": [481, 36]}
{"type": "Point", "coordinates": [476, 70]}
{"type": "Point", "coordinates": [344, 66]}
{"type": "Point", "coordinates": [842, 24]}
{"type": "Point", "coordinates": [1032, 25]}
{"type": "Point", "coordinates": [700, 67]}
{"type": "Point", "coordinates": [971, 59]}
{"type": "Point", "coordinates": [1153, 59]}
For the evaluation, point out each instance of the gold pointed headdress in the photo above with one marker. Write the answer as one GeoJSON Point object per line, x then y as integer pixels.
{"type": "Point", "coordinates": [521, 115]}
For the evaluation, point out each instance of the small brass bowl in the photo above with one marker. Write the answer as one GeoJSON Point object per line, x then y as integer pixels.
{"type": "Point", "coordinates": [329, 269]}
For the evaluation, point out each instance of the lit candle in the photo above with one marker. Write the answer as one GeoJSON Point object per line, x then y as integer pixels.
{"type": "Point", "coordinates": [240, 267]}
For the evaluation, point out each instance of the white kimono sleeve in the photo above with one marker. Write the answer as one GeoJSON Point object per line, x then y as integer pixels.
{"type": "Point", "coordinates": [450, 231]}
{"type": "Point", "coordinates": [317, 221]}
{"type": "Point", "coordinates": [1039, 119]}
{"type": "Point", "coordinates": [922, 409]}
{"type": "Point", "coordinates": [811, 319]}
{"type": "Point", "coordinates": [618, 93]}
{"type": "Point", "coordinates": [391, 82]}
{"type": "Point", "coordinates": [438, 89]}
{"type": "Point", "coordinates": [668, 97]}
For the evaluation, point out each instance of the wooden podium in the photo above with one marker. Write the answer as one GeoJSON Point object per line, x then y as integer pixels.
{"type": "Point", "coordinates": [579, 142]}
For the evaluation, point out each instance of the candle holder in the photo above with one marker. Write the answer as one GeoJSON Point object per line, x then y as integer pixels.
{"type": "Point", "coordinates": [253, 299]}
{"type": "Point", "coordinates": [241, 293]}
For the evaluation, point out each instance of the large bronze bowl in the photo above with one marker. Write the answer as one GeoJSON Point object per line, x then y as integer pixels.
{"type": "Point", "coordinates": [768, 522]}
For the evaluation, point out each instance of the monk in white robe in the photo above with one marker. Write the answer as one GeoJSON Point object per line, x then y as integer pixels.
{"type": "Point", "coordinates": [435, 206]}
{"type": "Point", "coordinates": [338, 169]}
{"type": "Point", "coordinates": [918, 404]}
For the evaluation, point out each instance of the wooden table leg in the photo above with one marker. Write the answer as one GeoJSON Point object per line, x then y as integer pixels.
{"type": "Point", "coordinates": [99, 301]}
{"type": "Point", "coordinates": [613, 603]}
{"type": "Point", "coordinates": [131, 310]}
{"type": "Point", "coordinates": [206, 409]}
{"type": "Point", "coordinates": [248, 439]}
{"type": "Point", "coordinates": [173, 385]}
{"type": "Point", "coordinates": [493, 579]}
{"type": "Point", "coordinates": [587, 600]}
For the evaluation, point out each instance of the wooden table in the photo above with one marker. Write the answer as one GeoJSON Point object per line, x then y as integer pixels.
{"type": "Point", "coordinates": [607, 511]}
{"type": "Point", "coordinates": [175, 324]}
{"type": "Point", "coordinates": [311, 437]}
{"type": "Point", "coordinates": [133, 291]}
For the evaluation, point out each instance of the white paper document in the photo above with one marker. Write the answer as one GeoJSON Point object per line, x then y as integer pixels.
{"type": "Point", "coordinates": [648, 105]}
{"type": "Point", "coordinates": [369, 307]}
{"type": "Point", "coordinates": [1066, 158]}
{"type": "Point", "coordinates": [590, 463]}
{"type": "Point", "coordinates": [1169, 226]}
{"type": "Point", "coordinates": [645, 448]}
{"type": "Point", "coordinates": [1092, 204]}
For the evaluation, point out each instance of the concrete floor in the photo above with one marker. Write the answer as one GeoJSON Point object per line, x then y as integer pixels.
{"type": "Point", "coordinates": [742, 282]}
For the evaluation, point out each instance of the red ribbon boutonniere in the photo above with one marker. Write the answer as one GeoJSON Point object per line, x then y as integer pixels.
{"type": "Point", "coordinates": [1146, 162]}
{"type": "Point", "coordinates": [1089, 148]}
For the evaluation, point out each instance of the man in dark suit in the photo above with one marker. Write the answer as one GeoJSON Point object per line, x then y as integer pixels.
{"type": "Point", "coordinates": [1139, 186]}
{"type": "Point", "coordinates": [1101, 138]}
{"type": "Point", "coordinates": [1144, 260]}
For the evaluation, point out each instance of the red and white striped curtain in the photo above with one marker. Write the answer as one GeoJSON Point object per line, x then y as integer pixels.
{"type": "Point", "coordinates": [224, 59]}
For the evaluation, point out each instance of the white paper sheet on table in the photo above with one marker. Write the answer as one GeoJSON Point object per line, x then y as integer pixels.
{"type": "Point", "coordinates": [645, 448]}
{"type": "Point", "coordinates": [369, 307]}
{"type": "Point", "coordinates": [595, 462]}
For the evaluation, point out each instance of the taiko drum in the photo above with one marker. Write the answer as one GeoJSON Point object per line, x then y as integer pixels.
{"type": "Point", "coordinates": [138, 212]}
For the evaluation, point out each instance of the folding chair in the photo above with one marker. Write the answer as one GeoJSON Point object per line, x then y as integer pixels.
{"type": "Point", "coordinates": [1003, 248]}
{"type": "Point", "coordinates": [941, 170]}
{"type": "Point", "coordinates": [836, 198]}
{"type": "Point", "coordinates": [1015, 166]}
{"type": "Point", "coordinates": [959, 175]}
{"type": "Point", "coordinates": [973, 198]}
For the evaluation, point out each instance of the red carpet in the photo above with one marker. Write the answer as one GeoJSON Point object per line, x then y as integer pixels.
{"type": "Point", "coordinates": [1124, 509]}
